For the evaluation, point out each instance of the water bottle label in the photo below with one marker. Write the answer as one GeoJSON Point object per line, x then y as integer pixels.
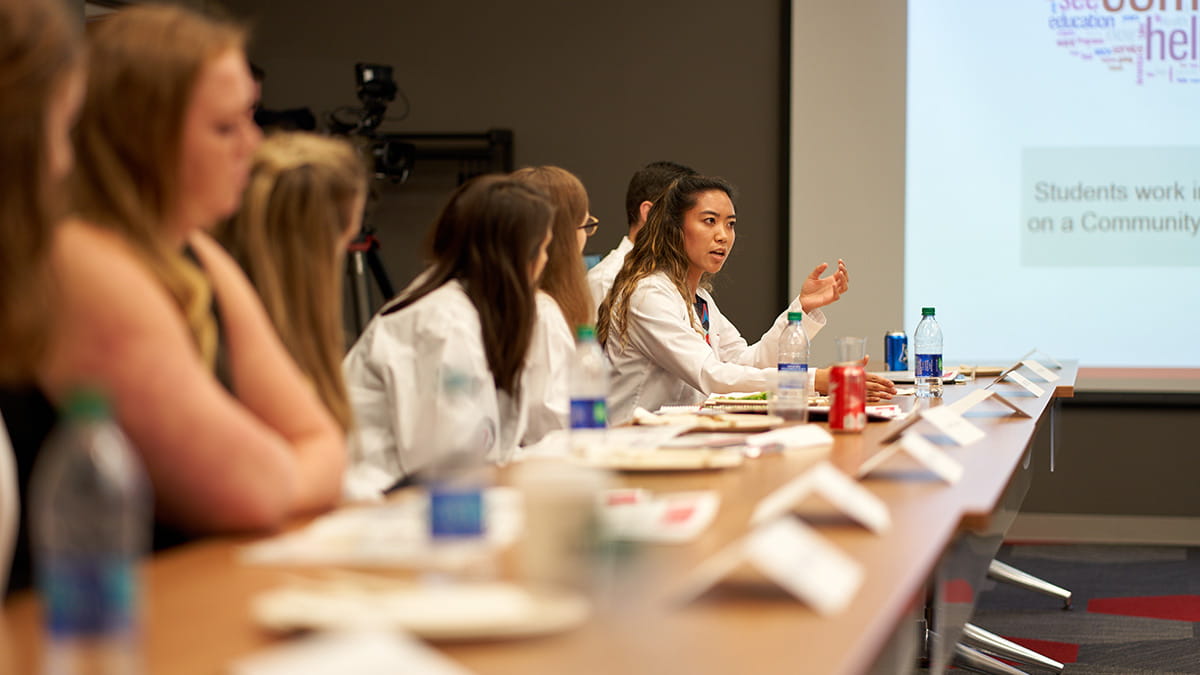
{"type": "Point", "coordinates": [89, 595]}
{"type": "Point", "coordinates": [793, 376]}
{"type": "Point", "coordinates": [588, 413]}
{"type": "Point", "coordinates": [455, 512]}
{"type": "Point", "coordinates": [929, 365]}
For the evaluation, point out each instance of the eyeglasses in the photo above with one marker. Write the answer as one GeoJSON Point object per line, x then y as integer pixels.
{"type": "Point", "coordinates": [590, 225]}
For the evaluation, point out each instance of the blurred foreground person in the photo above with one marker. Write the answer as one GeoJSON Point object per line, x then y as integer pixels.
{"type": "Point", "coordinates": [303, 204]}
{"type": "Point", "coordinates": [153, 312]}
{"type": "Point", "coordinates": [41, 88]}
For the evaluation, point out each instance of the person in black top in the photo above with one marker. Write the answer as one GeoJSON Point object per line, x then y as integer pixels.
{"type": "Point", "coordinates": [149, 307]}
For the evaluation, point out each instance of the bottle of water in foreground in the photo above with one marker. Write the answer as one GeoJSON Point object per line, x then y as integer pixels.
{"type": "Point", "coordinates": [927, 344]}
{"type": "Point", "coordinates": [90, 516]}
{"type": "Point", "coordinates": [789, 400]}
{"type": "Point", "coordinates": [588, 383]}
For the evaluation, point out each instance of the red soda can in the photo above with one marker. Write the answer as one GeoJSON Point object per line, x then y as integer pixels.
{"type": "Point", "coordinates": [848, 397]}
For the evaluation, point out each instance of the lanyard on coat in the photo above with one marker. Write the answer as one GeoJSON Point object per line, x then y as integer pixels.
{"type": "Point", "coordinates": [702, 311]}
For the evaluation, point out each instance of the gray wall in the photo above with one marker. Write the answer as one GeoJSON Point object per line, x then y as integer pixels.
{"type": "Point", "coordinates": [847, 163]}
{"type": "Point", "coordinates": [599, 88]}
{"type": "Point", "coordinates": [1120, 454]}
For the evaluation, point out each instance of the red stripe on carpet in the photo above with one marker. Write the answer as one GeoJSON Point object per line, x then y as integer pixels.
{"type": "Point", "coordinates": [957, 591]}
{"type": "Point", "coordinates": [1063, 652]}
{"type": "Point", "coordinates": [1175, 607]}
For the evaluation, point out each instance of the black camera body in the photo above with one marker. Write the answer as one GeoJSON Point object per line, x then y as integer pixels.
{"type": "Point", "coordinates": [391, 158]}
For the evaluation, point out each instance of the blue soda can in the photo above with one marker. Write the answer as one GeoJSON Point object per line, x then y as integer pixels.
{"type": "Point", "coordinates": [895, 348]}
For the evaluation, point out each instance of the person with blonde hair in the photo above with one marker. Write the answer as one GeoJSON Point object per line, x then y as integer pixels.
{"type": "Point", "coordinates": [42, 79]}
{"type": "Point", "coordinates": [437, 374]}
{"type": "Point", "coordinates": [302, 206]}
{"type": "Point", "coordinates": [668, 341]}
{"type": "Point", "coordinates": [153, 312]}
{"type": "Point", "coordinates": [563, 301]}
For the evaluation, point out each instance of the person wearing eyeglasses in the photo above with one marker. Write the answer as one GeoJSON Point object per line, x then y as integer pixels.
{"type": "Point", "coordinates": [645, 186]}
{"type": "Point", "coordinates": [563, 301]}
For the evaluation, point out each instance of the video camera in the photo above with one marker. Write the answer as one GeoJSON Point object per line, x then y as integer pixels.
{"type": "Point", "coordinates": [376, 88]}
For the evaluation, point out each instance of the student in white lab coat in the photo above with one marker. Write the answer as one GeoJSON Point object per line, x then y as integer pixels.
{"type": "Point", "coordinates": [438, 371]}
{"type": "Point", "coordinates": [644, 187]}
{"type": "Point", "coordinates": [563, 301]}
{"type": "Point", "coordinates": [668, 342]}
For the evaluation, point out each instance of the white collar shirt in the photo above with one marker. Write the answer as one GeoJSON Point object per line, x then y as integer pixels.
{"type": "Point", "coordinates": [547, 372]}
{"type": "Point", "coordinates": [600, 278]}
{"type": "Point", "coordinates": [666, 360]}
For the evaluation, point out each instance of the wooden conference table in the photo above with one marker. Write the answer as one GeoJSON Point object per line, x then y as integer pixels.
{"type": "Point", "coordinates": [198, 596]}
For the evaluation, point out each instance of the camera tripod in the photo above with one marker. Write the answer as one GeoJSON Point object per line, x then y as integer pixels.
{"type": "Point", "coordinates": [364, 258]}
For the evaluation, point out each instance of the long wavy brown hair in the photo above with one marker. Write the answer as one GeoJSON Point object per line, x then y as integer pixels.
{"type": "Point", "coordinates": [564, 277]}
{"type": "Point", "coordinates": [659, 248]}
{"type": "Point", "coordinates": [486, 237]}
{"type": "Point", "coordinates": [145, 61]}
{"type": "Point", "coordinates": [39, 49]}
{"type": "Point", "coordinates": [298, 205]}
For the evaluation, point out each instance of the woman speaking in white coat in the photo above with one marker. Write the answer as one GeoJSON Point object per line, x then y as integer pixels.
{"type": "Point", "coordinates": [438, 371]}
{"type": "Point", "coordinates": [668, 342]}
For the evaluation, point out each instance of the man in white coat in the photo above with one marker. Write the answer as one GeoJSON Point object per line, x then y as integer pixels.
{"type": "Point", "coordinates": [644, 187]}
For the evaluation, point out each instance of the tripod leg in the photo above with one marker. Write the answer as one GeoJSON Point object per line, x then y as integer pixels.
{"type": "Point", "coordinates": [358, 288]}
{"type": "Point", "coordinates": [380, 274]}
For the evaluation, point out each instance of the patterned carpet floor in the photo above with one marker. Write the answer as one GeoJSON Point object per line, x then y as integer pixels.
{"type": "Point", "coordinates": [1135, 609]}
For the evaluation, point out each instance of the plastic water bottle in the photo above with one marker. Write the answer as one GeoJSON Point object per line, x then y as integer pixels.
{"type": "Point", "coordinates": [457, 474]}
{"type": "Point", "coordinates": [927, 343]}
{"type": "Point", "coordinates": [588, 382]}
{"type": "Point", "coordinates": [790, 398]}
{"type": "Point", "coordinates": [457, 505]}
{"type": "Point", "coordinates": [90, 524]}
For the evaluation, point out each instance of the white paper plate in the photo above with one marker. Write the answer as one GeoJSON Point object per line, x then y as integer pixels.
{"type": "Point", "coordinates": [637, 459]}
{"type": "Point", "coordinates": [736, 405]}
{"type": "Point", "coordinates": [874, 412]}
{"type": "Point", "coordinates": [435, 611]}
{"type": "Point", "coordinates": [391, 534]}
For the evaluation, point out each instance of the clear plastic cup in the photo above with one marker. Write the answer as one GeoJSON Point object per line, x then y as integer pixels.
{"type": "Point", "coordinates": [851, 349]}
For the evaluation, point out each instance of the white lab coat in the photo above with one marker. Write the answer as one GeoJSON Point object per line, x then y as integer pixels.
{"type": "Point", "coordinates": [547, 372]}
{"type": "Point", "coordinates": [420, 386]}
{"type": "Point", "coordinates": [600, 278]}
{"type": "Point", "coordinates": [666, 361]}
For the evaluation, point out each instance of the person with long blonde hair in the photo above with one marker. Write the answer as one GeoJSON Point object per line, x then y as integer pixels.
{"type": "Point", "coordinates": [563, 301]}
{"type": "Point", "coordinates": [302, 206]}
{"type": "Point", "coordinates": [42, 77]}
{"type": "Point", "coordinates": [154, 312]}
{"type": "Point", "coordinates": [668, 341]}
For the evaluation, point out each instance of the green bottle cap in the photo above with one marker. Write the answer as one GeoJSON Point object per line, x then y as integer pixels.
{"type": "Point", "coordinates": [86, 403]}
{"type": "Point", "coordinates": [795, 316]}
{"type": "Point", "coordinates": [927, 311]}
